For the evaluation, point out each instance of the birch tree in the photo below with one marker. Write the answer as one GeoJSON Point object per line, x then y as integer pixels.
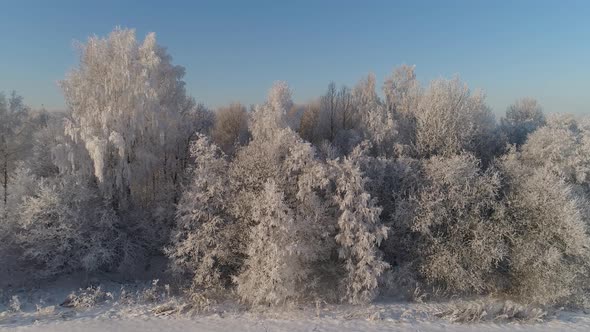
{"type": "Point", "coordinates": [129, 111]}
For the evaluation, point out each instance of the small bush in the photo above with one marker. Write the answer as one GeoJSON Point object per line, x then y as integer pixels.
{"type": "Point", "coordinates": [14, 304]}
{"type": "Point", "coordinates": [87, 298]}
{"type": "Point", "coordinates": [63, 226]}
{"type": "Point", "coordinates": [492, 310]}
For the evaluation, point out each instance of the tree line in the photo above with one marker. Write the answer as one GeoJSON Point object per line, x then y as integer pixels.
{"type": "Point", "coordinates": [345, 198]}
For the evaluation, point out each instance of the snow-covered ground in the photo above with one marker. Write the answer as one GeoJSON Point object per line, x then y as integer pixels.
{"type": "Point", "coordinates": [248, 323]}
{"type": "Point", "coordinates": [142, 306]}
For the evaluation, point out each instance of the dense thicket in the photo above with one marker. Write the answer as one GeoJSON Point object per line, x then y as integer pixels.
{"type": "Point", "coordinates": [340, 199]}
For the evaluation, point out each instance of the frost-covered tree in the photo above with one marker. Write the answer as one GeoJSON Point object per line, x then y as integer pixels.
{"type": "Point", "coordinates": [402, 96]}
{"type": "Point", "coordinates": [562, 146]}
{"type": "Point", "coordinates": [522, 118]}
{"type": "Point", "coordinates": [203, 238]}
{"type": "Point", "coordinates": [15, 130]}
{"type": "Point", "coordinates": [457, 214]}
{"type": "Point", "coordinates": [226, 209]}
{"type": "Point", "coordinates": [377, 122]}
{"type": "Point", "coordinates": [290, 212]}
{"type": "Point", "coordinates": [24, 183]}
{"type": "Point", "coordinates": [44, 156]}
{"type": "Point", "coordinates": [549, 242]}
{"type": "Point", "coordinates": [128, 110]}
{"type": "Point", "coordinates": [360, 231]}
{"type": "Point", "coordinates": [402, 89]}
{"type": "Point", "coordinates": [298, 177]}
{"type": "Point", "coordinates": [332, 119]}
{"type": "Point", "coordinates": [277, 269]}
{"type": "Point", "coordinates": [271, 116]}
{"type": "Point", "coordinates": [392, 182]}
{"type": "Point", "coordinates": [450, 119]}
{"type": "Point", "coordinates": [277, 153]}
{"type": "Point", "coordinates": [263, 157]}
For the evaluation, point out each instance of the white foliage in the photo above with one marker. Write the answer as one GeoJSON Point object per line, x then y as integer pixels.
{"type": "Point", "coordinates": [202, 241]}
{"type": "Point", "coordinates": [450, 119]}
{"type": "Point", "coordinates": [403, 93]}
{"type": "Point", "coordinates": [562, 146]}
{"type": "Point", "coordinates": [461, 237]}
{"type": "Point", "coordinates": [16, 129]}
{"type": "Point", "coordinates": [360, 232]}
{"type": "Point", "coordinates": [271, 116]}
{"type": "Point", "coordinates": [128, 105]}
{"type": "Point", "coordinates": [378, 122]}
{"type": "Point", "coordinates": [402, 90]}
{"type": "Point", "coordinates": [287, 242]}
{"type": "Point", "coordinates": [279, 97]}
{"type": "Point", "coordinates": [549, 240]}
{"type": "Point", "coordinates": [276, 268]}
{"type": "Point", "coordinates": [278, 220]}
{"type": "Point", "coordinates": [62, 226]}
{"type": "Point", "coordinates": [291, 166]}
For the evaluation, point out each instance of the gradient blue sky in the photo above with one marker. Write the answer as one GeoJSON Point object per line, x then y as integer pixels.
{"type": "Point", "coordinates": [234, 50]}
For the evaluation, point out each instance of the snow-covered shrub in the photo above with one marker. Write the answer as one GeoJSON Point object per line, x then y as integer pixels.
{"type": "Point", "coordinates": [492, 310]}
{"type": "Point", "coordinates": [23, 183]}
{"type": "Point", "coordinates": [14, 304]}
{"type": "Point", "coordinates": [87, 298]}
{"type": "Point", "coordinates": [548, 259]}
{"type": "Point", "coordinates": [459, 236]}
{"type": "Point", "coordinates": [62, 225]}
{"type": "Point", "coordinates": [154, 293]}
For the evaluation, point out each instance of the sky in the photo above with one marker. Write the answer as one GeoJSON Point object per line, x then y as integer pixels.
{"type": "Point", "coordinates": [235, 50]}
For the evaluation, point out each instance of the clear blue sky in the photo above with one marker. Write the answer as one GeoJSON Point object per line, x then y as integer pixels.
{"type": "Point", "coordinates": [234, 50]}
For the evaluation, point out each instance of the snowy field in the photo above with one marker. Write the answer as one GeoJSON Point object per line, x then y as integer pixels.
{"type": "Point", "coordinates": [392, 320]}
{"type": "Point", "coordinates": [143, 306]}
{"type": "Point", "coordinates": [244, 324]}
